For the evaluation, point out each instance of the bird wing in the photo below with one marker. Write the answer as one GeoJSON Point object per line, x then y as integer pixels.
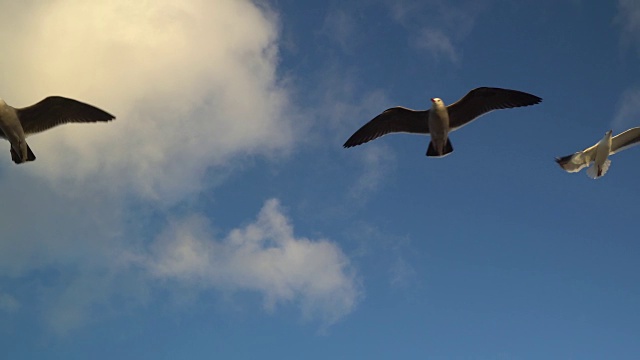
{"type": "Point", "coordinates": [397, 119]}
{"type": "Point", "coordinates": [482, 100]}
{"type": "Point", "coordinates": [579, 160]}
{"type": "Point", "coordinates": [625, 140]}
{"type": "Point", "coordinates": [57, 110]}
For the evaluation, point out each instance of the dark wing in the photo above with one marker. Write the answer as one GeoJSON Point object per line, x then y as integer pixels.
{"type": "Point", "coordinates": [624, 140]}
{"type": "Point", "coordinates": [483, 100]}
{"type": "Point", "coordinates": [397, 119]}
{"type": "Point", "coordinates": [57, 110]}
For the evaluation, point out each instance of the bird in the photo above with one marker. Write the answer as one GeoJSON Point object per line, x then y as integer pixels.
{"type": "Point", "coordinates": [599, 153]}
{"type": "Point", "coordinates": [17, 124]}
{"type": "Point", "coordinates": [440, 120]}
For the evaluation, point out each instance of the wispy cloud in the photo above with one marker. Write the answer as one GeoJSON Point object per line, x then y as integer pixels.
{"type": "Point", "coordinates": [448, 24]}
{"type": "Point", "coordinates": [438, 44]}
{"type": "Point", "coordinates": [628, 17]}
{"type": "Point", "coordinates": [628, 110]}
{"type": "Point", "coordinates": [377, 162]}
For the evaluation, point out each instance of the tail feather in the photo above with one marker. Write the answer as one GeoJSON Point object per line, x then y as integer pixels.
{"type": "Point", "coordinates": [595, 171]}
{"type": "Point", "coordinates": [18, 160]}
{"type": "Point", "coordinates": [431, 150]}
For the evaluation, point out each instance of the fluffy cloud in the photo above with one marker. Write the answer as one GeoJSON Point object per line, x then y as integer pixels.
{"type": "Point", "coordinates": [263, 256]}
{"type": "Point", "coordinates": [192, 84]}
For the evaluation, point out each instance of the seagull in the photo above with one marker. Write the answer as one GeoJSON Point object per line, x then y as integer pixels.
{"type": "Point", "coordinates": [17, 124]}
{"type": "Point", "coordinates": [599, 153]}
{"type": "Point", "coordinates": [441, 119]}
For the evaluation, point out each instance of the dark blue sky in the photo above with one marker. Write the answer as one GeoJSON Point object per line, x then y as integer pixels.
{"type": "Point", "coordinates": [219, 215]}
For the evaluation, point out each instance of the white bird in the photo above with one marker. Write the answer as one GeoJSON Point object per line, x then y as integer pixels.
{"type": "Point", "coordinates": [17, 124]}
{"type": "Point", "coordinates": [441, 119]}
{"type": "Point", "coordinates": [599, 153]}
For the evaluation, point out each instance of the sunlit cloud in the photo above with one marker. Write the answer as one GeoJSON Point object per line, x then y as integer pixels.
{"type": "Point", "coordinates": [192, 84]}
{"type": "Point", "coordinates": [195, 89]}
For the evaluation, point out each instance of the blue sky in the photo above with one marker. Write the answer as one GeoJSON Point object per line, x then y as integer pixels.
{"type": "Point", "coordinates": [220, 217]}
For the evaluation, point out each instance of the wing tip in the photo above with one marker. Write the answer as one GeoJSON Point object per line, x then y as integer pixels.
{"type": "Point", "coordinates": [562, 160]}
{"type": "Point", "coordinates": [352, 143]}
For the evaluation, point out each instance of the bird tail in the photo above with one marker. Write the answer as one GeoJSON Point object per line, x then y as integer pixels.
{"type": "Point", "coordinates": [431, 150]}
{"type": "Point", "coordinates": [594, 172]}
{"type": "Point", "coordinates": [18, 160]}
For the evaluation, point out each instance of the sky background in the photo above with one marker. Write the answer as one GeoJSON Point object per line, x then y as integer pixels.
{"type": "Point", "coordinates": [220, 217]}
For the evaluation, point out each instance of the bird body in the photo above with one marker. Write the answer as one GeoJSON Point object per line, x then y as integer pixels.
{"type": "Point", "coordinates": [601, 162]}
{"type": "Point", "coordinates": [17, 124]}
{"type": "Point", "coordinates": [12, 130]}
{"type": "Point", "coordinates": [440, 120]}
{"type": "Point", "coordinates": [440, 145]}
{"type": "Point", "coordinates": [599, 153]}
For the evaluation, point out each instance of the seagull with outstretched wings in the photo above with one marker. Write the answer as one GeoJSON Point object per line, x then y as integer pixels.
{"type": "Point", "coordinates": [440, 120]}
{"type": "Point", "coordinates": [599, 153]}
{"type": "Point", "coordinates": [17, 124]}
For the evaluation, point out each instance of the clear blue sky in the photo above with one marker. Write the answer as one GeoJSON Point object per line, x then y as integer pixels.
{"type": "Point", "coordinates": [220, 217]}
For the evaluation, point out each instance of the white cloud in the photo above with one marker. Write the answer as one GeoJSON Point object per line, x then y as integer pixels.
{"type": "Point", "coordinates": [628, 110]}
{"type": "Point", "coordinates": [377, 162]}
{"type": "Point", "coordinates": [195, 88]}
{"type": "Point", "coordinates": [438, 44]}
{"type": "Point", "coordinates": [105, 266]}
{"type": "Point", "coordinates": [448, 23]}
{"type": "Point", "coordinates": [629, 16]}
{"type": "Point", "coordinates": [263, 256]}
{"type": "Point", "coordinates": [193, 84]}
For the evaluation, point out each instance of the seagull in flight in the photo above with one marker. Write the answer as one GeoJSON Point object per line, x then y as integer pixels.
{"type": "Point", "coordinates": [599, 153]}
{"type": "Point", "coordinates": [17, 124]}
{"type": "Point", "coordinates": [440, 120]}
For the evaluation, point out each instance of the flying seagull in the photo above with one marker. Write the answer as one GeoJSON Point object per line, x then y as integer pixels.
{"type": "Point", "coordinates": [441, 119]}
{"type": "Point", "coordinates": [599, 153]}
{"type": "Point", "coordinates": [17, 124]}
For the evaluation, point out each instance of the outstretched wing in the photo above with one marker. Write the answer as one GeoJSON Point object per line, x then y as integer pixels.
{"type": "Point", "coordinates": [397, 119]}
{"type": "Point", "coordinates": [482, 100]}
{"type": "Point", "coordinates": [577, 161]}
{"type": "Point", "coordinates": [57, 110]}
{"type": "Point", "coordinates": [625, 140]}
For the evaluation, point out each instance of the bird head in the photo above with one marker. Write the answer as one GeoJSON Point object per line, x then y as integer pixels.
{"type": "Point", "coordinates": [436, 102]}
